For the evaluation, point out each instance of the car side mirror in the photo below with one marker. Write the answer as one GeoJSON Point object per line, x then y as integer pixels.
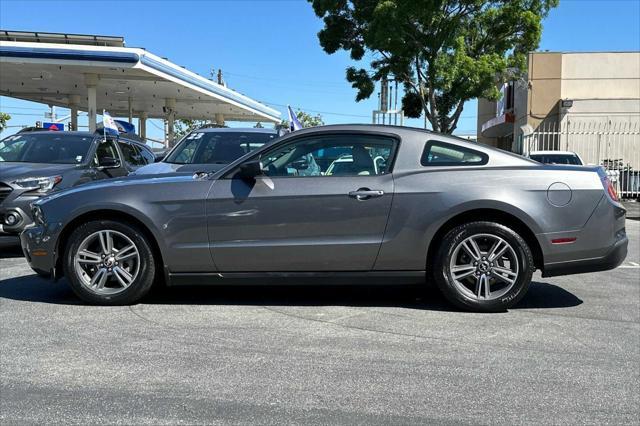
{"type": "Point", "coordinates": [250, 169]}
{"type": "Point", "coordinates": [158, 158]}
{"type": "Point", "coordinates": [108, 163]}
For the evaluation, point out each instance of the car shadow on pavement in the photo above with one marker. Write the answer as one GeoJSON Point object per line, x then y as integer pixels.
{"type": "Point", "coordinates": [10, 251]}
{"type": "Point", "coordinates": [32, 288]}
{"type": "Point", "coordinates": [544, 295]}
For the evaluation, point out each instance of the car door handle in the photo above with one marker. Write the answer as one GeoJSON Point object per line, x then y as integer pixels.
{"type": "Point", "coordinates": [366, 193]}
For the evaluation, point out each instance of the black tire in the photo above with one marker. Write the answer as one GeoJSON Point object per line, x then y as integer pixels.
{"type": "Point", "coordinates": [442, 270]}
{"type": "Point", "coordinates": [138, 288]}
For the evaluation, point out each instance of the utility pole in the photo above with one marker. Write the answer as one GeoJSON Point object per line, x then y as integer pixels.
{"type": "Point", "coordinates": [219, 118]}
{"type": "Point", "coordinates": [388, 112]}
{"type": "Point", "coordinates": [220, 81]}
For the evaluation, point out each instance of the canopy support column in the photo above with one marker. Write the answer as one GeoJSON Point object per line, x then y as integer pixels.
{"type": "Point", "coordinates": [220, 119]}
{"type": "Point", "coordinates": [74, 101]}
{"type": "Point", "coordinates": [130, 110]}
{"type": "Point", "coordinates": [142, 125]}
{"type": "Point", "coordinates": [170, 113]}
{"type": "Point", "coordinates": [91, 81]}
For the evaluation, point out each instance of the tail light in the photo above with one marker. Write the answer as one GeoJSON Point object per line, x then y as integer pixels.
{"type": "Point", "coordinates": [610, 189]}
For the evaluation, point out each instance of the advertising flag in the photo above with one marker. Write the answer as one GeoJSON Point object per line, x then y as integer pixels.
{"type": "Point", "coordinates": [294, 123]}
{"type": "Point", "coordinates": [109, 124]}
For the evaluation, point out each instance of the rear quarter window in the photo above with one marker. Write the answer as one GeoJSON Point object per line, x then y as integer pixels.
{"type": "Point", "coordinates": [438, 153]}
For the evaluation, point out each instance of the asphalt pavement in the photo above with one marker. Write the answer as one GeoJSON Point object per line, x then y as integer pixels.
{"type": "Point", "coordinates": [569, 353]}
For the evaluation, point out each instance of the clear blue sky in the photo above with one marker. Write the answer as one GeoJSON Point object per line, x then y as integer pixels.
{"type": "Point", "coordinates": [269, 51]}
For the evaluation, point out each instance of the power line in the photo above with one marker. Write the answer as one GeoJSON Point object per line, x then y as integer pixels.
{"type": "Point", "coordinates": [317, 111]}
{"type": "Point", "coordinates": [24, 113]}
{"type": "Point", "coordinates": [314, 83]}
{"type": "Point", "coordinates": [156, 126]}
{"type": "Point", "coordinates": [28, 108]}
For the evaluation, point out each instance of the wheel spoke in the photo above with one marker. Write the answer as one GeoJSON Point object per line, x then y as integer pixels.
{"type": "Point", "coordinates": [472, 248]}
{"type": "Point", "coordinates": [100, 278]}
{"type": "Point", "coordinates": [497, 250]}
{"type": "Point", "coordinates": [86, 256]}
{"type": "Point", "coordinates": [482, 286]}
{"type": "Point", "coordinates": [106, 241]}
{"type": "Point", "coordinates": [123, 276]}
{"type": "Point", "coordinates": [126, 253]}
{"type": "Point", "coordinates": [505, 275]}
{"type": "Point", "coordinates": [462, 271]}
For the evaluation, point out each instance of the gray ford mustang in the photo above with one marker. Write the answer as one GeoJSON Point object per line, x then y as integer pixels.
{"type": "Point", "coordinates": [338, 204]}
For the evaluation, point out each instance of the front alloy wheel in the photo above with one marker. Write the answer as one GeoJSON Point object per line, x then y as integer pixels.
{"type": "Point", "coordinates": [109, 262]}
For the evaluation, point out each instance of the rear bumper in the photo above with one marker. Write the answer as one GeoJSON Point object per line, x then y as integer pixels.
{"type": "Point", "coordinates": [611, 260]}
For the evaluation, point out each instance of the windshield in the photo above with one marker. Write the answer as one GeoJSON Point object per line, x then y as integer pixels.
{"type": "Point", "coordinates": [556, 159]}
{"type": "Point", "coordinates": [53, 148]}
{"type": "Point", "coordinates": [217, 147]}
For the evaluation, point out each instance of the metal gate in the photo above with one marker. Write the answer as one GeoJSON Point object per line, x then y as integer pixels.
{"type": "Point", "coordinates": [613, 145]}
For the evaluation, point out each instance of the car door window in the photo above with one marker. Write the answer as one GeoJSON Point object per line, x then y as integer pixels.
{"type": "Point", "coordinates": [332, 155]}
{"type": "Point", "coordinates": [106, 149]}
{"type": "Point", "coordinates": [132, 156]}
{"type": "Point", "coordinates": [146, 155]}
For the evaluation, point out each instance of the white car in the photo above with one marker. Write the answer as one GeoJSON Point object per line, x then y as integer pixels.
{"type": "Point", "coordinates": [556, 157]}
{"type": "Point", "coordinates": [345, 164]}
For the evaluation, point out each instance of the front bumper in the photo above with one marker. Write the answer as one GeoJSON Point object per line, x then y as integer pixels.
{"type": "Point", "coordinates": [39, 245]}
{"type": "Point", "coordinates": [21, 208]}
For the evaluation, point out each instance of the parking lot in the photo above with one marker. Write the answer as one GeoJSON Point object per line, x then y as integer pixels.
{"type": "Point", "coordinates": [568, 353]}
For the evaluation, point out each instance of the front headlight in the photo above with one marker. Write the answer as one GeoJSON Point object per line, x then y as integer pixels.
{"type": "Point", "coordinates": [39, 184]}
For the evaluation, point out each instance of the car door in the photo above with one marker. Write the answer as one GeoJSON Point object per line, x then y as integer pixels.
{"type": "Point", "coordinates": [298, 217]}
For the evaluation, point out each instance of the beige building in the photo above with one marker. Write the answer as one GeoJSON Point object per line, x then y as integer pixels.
{"type": "Point", "coordinates": [564, 92]}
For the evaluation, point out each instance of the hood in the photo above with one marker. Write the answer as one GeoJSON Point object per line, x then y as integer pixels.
{"type": "Point", "coordinates": [164, 168]}
{"type": "Point", "coordinates": [123, 183]}
{"type": "Point", "coordinates": [10, 171]}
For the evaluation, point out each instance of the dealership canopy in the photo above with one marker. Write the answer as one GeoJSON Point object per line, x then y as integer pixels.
{"type": "Point", "coordinates": [92, 73]}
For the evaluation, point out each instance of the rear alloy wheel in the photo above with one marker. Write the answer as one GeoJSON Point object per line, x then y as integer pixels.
{"type": "Point", "coordinates": [109, 263]}
{"type": "Point", "coordinates": [483, 266]}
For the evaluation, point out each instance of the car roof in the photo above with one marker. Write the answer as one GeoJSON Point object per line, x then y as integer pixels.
{"type": "Point", "coordinates": [552, 153]}
{"type": "Point", "coordinates": [387, 128]}
{"type": "Point", "coordinates": [89, 134]}
{"type": "Point", "coordinates": [65, 132]}
{"type": "Point", "coordinates": [236, 130]}
{"type": "Point", "coordinates": [409, 133]}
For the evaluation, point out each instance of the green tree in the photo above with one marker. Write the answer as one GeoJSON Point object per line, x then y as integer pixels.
{"type": "Point", "coordinates": [306, 119]}
{"type": "Point", "coordinates": [444, 52]}
{"type": "Point", "coordinates": [4, 118]}
{"type": "Point", "coordinates": [184, 126]}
